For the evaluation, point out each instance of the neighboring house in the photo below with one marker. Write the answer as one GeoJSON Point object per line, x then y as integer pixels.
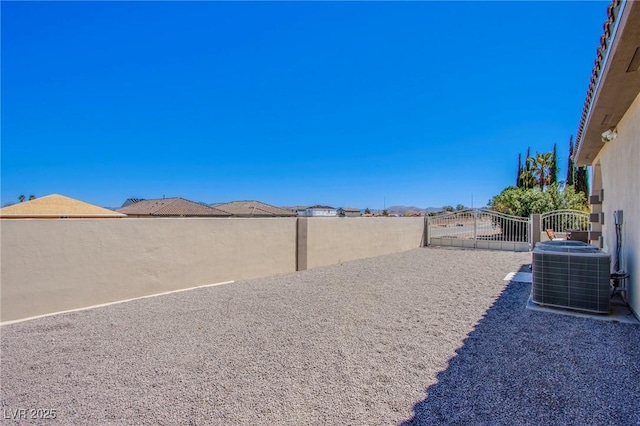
{"type": "Point", "coordinates": [299, 210]}
{"type": "Point", "coordinates": [57, 207]}
{"type": "Point", "coordinates": [170, 207]}
{"type": "Point", "coordinates": [130, 201]}
{"type": "Point", "coordinates": [349, 212]}
{"type": "Point", "coordinates": [609, 141]}
{"type": "Point", "coordinates": [321, 211]}
{"type": "Point", "coordinates": [253, 209]}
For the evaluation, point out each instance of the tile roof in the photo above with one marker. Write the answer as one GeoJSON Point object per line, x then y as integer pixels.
{"type": "Point", "coordinates": [130, 201]}
{"type": "Point", "coordinates": [57, 206]}
{"type": "Point", "coordinates": [317, 206]}
{"type": "Point", "coordinates": [597, 67]}
{"type": "Point", "coordinates": [177, 207]}
{"type": "Point", "coordinates": [253, 208]}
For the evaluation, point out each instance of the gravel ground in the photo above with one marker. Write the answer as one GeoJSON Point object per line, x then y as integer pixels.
{"type": "Point", "coordinates": [429, 336]}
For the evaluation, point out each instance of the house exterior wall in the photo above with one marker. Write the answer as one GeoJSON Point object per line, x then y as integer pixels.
{"type": "Point", "coordinates": [335, 241]}
{"type": "Point", "coordinates": [349, 213]}
{"type": "Point", "coordinates": [619, 163]}
{"type": "Point", "coordinates": [322, 212]}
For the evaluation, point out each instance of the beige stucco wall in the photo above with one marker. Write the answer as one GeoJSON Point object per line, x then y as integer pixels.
{"type": "Point", "coordinates": [335, 240]}
{"type": "Point", "coordinates": [620, 167]}
{"type": "Point", "coordinates": [49, 266]}
{"type": "Point", "coordinates": [54, 265]}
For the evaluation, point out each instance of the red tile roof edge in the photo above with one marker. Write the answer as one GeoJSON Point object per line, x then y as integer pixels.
{"type": "Point", "coordinates": [595, 72]}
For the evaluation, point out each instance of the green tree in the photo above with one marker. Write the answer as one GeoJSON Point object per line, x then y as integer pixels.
{"type": "Point", "coordinates": [32, 197]}
{"type": "Point", "coordinates": [582, 181]}
{"type": "Point", "coordinates": [527, 177]}
{"type": "Point", "coordinates": [460, 207]}
{"type": "Point", "coordinates": [518, 201]}
{"type": "Point", "coordinates": [367, 211]}
{"type": "Point", "coordinates": [519, 174]}
{"type": "Point", "coordinates": [542, 168]}
{"type": "Point", "coordinates": [21, 198]}
{"type": "Point", "coordinates": [385, 212]}
{"type": "Point", "coordinates": [553, 168]}
{"type": "Point", "coordinates": [524, 202]}
{"type": "Point", "coordinates": [571, 168]}
{"type": "Point", "coordinates": [448, 208]}
{"type": "Point", "coordinates": [566, 198]}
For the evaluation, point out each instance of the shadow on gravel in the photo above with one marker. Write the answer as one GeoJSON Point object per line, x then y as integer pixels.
{"type": "Point", "coordinates": [524, 367]}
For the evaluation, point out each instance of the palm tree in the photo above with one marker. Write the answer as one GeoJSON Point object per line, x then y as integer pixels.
{"type": "Point", "coordinates": [527, 177]}
{"type": "Point", "coordinates": [541, 168]}
{"type": "Point", "coordinates": [22, 198]}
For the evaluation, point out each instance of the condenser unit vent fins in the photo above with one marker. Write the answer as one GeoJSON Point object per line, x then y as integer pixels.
{"type": "Point", "coordinates": [572, 275]}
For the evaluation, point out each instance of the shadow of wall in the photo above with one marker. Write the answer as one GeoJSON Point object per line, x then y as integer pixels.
{"type": "Point", "coordinates": [524, 367]}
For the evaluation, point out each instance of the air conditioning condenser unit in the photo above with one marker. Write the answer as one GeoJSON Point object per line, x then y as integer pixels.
{"type": "Point", "coordinates": [571, 275]}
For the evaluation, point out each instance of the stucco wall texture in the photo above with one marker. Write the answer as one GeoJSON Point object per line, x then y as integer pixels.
{"type": "Point", "coordinates": [620, 166]}
{"type": "Point", "coordinates": [55, 265]}
{"type": "Point", "coordinates": [331, 241]}
{"type": "Point", "coordinates": [48, 266]}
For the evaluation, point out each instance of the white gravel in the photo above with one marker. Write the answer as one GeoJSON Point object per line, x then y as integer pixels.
{"type": "Point", "coordinates": [430, 336]}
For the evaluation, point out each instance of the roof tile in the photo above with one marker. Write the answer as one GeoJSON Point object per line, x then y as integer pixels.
{"type": "Point", "coordinates": [171, 207]}
{"type": "Point", "coordinates": [57, 206]}
{"type": "Point", "coordinates": [253, 208]}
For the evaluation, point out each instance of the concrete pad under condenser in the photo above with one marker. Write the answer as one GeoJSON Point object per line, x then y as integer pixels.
{"type": "Point", "coordinates": [519, 277]}
{"type": "Point", "coordinates": [620, 311]}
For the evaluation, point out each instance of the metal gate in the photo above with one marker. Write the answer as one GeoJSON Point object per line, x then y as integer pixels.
{"type": "Point", "coordinates": [563, 221]}
{"type": "Point", "coordinates": [479, 228]}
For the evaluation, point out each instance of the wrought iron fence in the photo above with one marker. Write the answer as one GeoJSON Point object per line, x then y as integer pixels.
{"type": "Point", "coordinates": [459, 225]}
{"type": "Point", "coordinates": [483, 228]}
{"type": "Point", "coordinates": [467, 228]}
{"type": "Point", "coordinates": [565, 220]}
{"type": "Point", "coordinates": [505, 227]}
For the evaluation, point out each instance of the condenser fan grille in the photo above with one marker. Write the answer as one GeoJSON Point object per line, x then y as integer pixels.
{"type": "Point", "coordinates": [571, 274]}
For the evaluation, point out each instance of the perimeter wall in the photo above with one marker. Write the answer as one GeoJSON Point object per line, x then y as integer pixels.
{"type": "Point", "coordinates": [48, 266]}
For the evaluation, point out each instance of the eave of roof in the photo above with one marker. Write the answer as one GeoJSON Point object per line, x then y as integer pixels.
{"type": "Point", "coordinates": [612, 88]}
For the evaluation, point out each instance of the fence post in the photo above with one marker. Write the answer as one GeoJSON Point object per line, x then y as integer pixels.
{"type": "Point", "coordinates": [425, 236]}
{"type": "Point", "coordinates": [534, 229]}
{"type": "Point", "coordinates": [301, 243]}
{"type": "Point", "coordinates": [475, 229]}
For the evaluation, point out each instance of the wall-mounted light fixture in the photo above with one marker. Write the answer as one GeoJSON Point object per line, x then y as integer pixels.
{"type": "Point", "coordinates": [609, 135]}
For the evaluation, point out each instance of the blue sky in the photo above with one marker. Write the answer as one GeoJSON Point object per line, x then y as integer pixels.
{"type": "Point", "coordinates": [292, 103]}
